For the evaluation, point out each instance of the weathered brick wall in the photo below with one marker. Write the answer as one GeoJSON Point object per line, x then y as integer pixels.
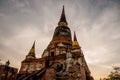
{"type": "Point", "coordinates": [8, 73]}
{"type": "Point", "coordinates": [50, 74]}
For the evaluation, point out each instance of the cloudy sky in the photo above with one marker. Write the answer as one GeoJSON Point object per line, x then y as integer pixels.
{"type": "Point", "coordinates": [96, 22]}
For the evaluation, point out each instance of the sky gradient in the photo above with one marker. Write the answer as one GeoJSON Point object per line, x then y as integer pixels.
{"type": "Point", "coordinates": [96, 22]}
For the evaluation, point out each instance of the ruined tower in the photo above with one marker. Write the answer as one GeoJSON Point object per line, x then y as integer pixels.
{"type": "Point", "coordinates": [62, 59]}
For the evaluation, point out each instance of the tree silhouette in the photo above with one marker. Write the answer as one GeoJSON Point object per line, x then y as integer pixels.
{"type": "Point", "coordinates": [115, 74]}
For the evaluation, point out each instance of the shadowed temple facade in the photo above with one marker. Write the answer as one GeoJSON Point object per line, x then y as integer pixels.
{"type": "Point", "coordinates": [63, 58]}
{"type": "Point", "coordinates": [7, 72]}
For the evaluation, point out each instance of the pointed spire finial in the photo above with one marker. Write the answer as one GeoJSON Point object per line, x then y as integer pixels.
{"type": "Point", "coordinates": [63, 21]}
{"type": "Point", "coordinates": [63, 11]}
{"type": "Point", "coordinates": [32, 50]}
{"type": "Point", "coordinates": [75, 42]}
{"type": "Point", "coordinates": [7, 63]}
{"type": "Point", "coordinates": [33, 45]}
{"type": "Point", "coordinates": [75, 38]}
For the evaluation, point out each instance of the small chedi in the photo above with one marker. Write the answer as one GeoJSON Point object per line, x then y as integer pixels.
{"type": "Point", "coordinates": [63, 58]}
{"type": "Point", "coordinates": [7, 72]}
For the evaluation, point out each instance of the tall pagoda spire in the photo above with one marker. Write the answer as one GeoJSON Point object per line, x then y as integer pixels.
{"type": "Point", "coordinates": [62, 33]}
{"type": "Point", "coordinates": [63, 21]}
{"type": "Point", "coordinates": [32, 50]}
{"type": "Point", "coordinates": [75, 38]}
{"type": "Point", "coordinates": [31, 53]}
{"type": "Point", "coordinates": [75, 42]}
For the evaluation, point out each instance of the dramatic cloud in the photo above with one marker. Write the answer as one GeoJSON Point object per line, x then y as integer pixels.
{"type": "Point", "coordinates": [96, 22]}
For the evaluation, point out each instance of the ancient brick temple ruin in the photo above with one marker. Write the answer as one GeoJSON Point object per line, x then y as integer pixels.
{"type": "Point", "coordinates": [7, 72]}
{"type": "Point", "coordinates": [63, 58]}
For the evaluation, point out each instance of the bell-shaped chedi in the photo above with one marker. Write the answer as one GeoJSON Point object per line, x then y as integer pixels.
{"type": "Point", "coordinates": [62, 32]}
{"type": "Point", "coordinates": [61, 40]}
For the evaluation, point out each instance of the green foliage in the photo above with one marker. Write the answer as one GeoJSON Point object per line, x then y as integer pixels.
{"type": "Point", "coordinates": [115, 74]}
